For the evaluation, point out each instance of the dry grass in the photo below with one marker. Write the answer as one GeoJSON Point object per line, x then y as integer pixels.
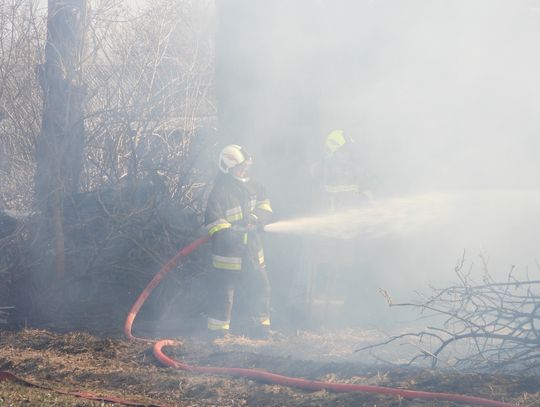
{"type": "Point", "coordinates": [106, 366]}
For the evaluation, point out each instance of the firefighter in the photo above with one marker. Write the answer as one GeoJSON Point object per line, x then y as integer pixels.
{"type": "Point", "coordinates": [236, 213]}
{"type": "Point", "coordinates": [340, 174]}
{"type": "Point", "coordinates": [336, 261]}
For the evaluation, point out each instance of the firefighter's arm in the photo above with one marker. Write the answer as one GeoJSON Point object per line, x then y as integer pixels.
{"type": "Point", "coordinates": [361, 177]}
{"type": "Point", "coordinates": [262, 213]}
{"type": "Point", "coordinates": [217, 225]}
{"type": "Point", "coordinates": [214, 218]}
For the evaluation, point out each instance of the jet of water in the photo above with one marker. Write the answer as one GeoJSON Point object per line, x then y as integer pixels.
{"type": "Point", "coordinates": [395, 216]}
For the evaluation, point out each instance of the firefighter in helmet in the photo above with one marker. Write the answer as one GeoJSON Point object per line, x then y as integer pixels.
{"type": "Point", "coordinates": [335, 261]}
{"type": "Point", "coordinates": [236, 213]}
{"type": "Point", "coordinates": [340, 174]}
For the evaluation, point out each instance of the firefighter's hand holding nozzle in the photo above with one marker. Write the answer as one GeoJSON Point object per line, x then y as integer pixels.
{"type": "Point", "coordinates": [250, 227]}
{"type": "Point", "coordinates": [255, 227]}
{"type": "Point", "coordinates": [255, 223]}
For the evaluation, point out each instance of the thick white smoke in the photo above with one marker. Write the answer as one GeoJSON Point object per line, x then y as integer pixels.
{"type": "Point", "coordinates": [442, 99]}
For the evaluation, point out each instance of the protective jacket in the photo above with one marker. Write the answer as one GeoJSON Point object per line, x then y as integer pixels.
{"type": "Point", "coordinates": [340, 179]}
{"type": "Point", "coordinates": [234, 214]}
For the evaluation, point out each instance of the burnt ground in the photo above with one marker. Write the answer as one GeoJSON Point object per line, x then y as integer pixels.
{"type": "Point", "coordinates": [115, 367]}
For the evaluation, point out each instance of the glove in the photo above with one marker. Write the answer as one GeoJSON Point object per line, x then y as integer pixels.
{"type": "Point", "coordinates": [255, 223]}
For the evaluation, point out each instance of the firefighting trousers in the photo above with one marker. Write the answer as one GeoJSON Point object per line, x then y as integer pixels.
{"type": "Point", "coordinates": [240, 297]}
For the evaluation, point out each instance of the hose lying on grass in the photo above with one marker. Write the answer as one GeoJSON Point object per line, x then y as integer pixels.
{"type": "Point", "coordinates": [267, 377]}
{"type": "Point", "coordinates": [5, 376]}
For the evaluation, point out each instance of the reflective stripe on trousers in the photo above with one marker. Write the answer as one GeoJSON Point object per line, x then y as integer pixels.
{"type": "Point", "coordinates": [226, 262]}
{"type": "Point", "coordinates": [216, 324]}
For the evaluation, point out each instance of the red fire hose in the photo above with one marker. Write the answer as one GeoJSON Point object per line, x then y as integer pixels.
{"type": "Point", "coordinates": [273, 378]}
{"type": "Point", "coordinates": [155, 281]}
{"type": "Point", "coordinates": [5, 376]}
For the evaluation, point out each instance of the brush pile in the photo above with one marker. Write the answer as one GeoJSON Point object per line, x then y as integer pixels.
{"type": "Point", "coordinates": [115, 241]}
{"type": "Point", "coordinates": [488, 324]}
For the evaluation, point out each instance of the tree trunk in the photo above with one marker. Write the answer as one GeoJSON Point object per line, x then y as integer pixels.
{"type": "Point", "coordinates": [59, 149]}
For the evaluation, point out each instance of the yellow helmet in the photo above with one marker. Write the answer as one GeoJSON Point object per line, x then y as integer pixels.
{"type": "Point", "coordinates": [335, 140]}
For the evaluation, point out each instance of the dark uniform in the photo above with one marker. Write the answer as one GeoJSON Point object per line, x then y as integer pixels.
{"type": "Point", "coordinates": [234, 210]}
{"type": "Point", "coordinates": [336, 262]}
{"type": "Point", "coordinates": [340, 180]}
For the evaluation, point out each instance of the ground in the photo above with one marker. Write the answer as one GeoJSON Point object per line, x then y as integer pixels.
{"type": "Point", "coordinates": [106, 366]}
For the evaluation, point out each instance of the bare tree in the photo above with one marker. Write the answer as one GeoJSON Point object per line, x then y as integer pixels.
{"type": "Point", "coordinates": [486, 324]}
{"type": "Point", "coordinates": [150, 78]}
{"type": "Point", "coordinates": [138, 109]}
{"type": "Point", "coordinates": [59, 150]}
{"type": "Point", "coordinates": [21, 47]}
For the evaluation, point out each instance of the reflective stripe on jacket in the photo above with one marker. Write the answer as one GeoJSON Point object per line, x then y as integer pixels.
{"type": "Point", "coordinates": [233, 203]}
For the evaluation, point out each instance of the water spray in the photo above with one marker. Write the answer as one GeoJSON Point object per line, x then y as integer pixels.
{"type": "Point", "coordinates": [396, 216]}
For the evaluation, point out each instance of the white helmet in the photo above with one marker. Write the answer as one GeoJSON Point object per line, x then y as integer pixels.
{"type": "Point", "coordinates": [231, 156]}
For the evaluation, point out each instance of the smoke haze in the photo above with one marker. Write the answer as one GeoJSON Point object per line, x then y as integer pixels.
{"type": "Point", "coordinates": [442, 101]}
{"type": "Point", "coordinates": [394, 217]}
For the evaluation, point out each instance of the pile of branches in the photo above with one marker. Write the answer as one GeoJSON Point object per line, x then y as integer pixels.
{"type": "Point", "coordinates": [117, 239]}
{"type": "Point", "coordinates": [485, 324]}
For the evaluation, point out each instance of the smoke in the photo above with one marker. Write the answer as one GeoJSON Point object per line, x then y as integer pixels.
{"type": "Point", "coordinates": [479, 220]}
{"type": "Point", "coordinates": [406, 244]}
{"type": "Point", "coordinates": [442, 100]}
{"type": "Point", "coordinates": [391, 217]}
{"type": "Point", "coordinates": [437, 94]}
